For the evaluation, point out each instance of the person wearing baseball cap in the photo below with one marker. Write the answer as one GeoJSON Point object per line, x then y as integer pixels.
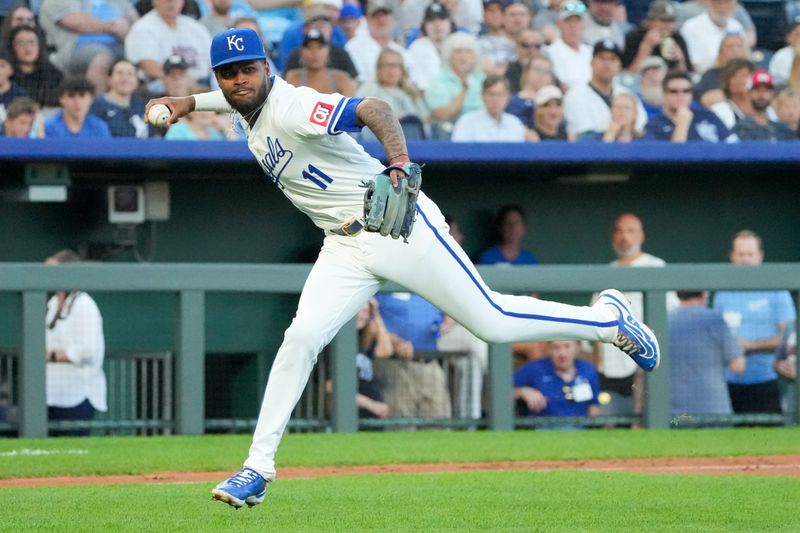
{"type": "Point", "coordinates": [425, 52]}
{"type": "Point", "coordinates": [174, 62]}
{"type": "Point", "coordinates": [235, 46]}
{"type": "Point", "coordinates": [176, 80]}
{"type": "Point", "coordinates": [365, 47]}
{"type": "Point", "coordinates": [315, 71]}
{"type": "Point", "coordinates": [318, 18]}
{"type": "Point", "coordinates": [496, 47]}
{"type": "Point", "coordinates": [571, 56]}
{"type": "Point", "coordinates": [657, 36]}
{"type": "Point", "coordinates": [606, 45]}
{"type": "Point", "coordinates": [324, 11]}
{"type": "Point", "coordinates": [350, 19]}
{"type": "Point", "coordinates": [651, 94]}
{"type": "Point", "coordinates": [587, 107]}
{"type": "Point", "coordinates": [758, 126]}
{"type": "Point", "coordinates": [548, 117]}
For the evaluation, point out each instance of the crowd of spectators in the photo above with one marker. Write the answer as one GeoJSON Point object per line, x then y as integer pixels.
{"type": "Point", "coordinates": [465, 70]}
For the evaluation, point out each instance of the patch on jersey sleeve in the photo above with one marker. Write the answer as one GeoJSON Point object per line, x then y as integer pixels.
{"type": "Point", "coordinates": [321, 114]}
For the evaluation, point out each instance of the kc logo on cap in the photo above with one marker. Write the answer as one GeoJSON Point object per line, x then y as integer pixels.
{"type": "Point", "coordinates": [235, 42]}
{"type": "Point", "coordinates": [235, 45]}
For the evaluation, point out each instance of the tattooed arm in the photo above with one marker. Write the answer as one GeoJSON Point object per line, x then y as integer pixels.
{"type": "Point", "coordinates": [378, 116]}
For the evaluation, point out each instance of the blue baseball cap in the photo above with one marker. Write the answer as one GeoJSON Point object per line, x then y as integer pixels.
{"type": "Point", "coordinates": [239, 44]}
{"type": "Point", "coordinates": [351, 11]}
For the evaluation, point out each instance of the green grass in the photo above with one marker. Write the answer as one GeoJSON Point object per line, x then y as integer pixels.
{"type": "Point", "coordinates": [131, 455]}
{"type": "Point", "coordinates": [502, 501]}
{"type": "Point", "coordinates": [507, 501]}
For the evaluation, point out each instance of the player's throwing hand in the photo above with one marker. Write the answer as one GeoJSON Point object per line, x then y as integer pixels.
{"type": "Point", "coordinates": [178, 106]}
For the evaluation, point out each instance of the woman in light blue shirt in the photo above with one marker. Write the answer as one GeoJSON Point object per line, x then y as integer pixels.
{"type": "Point", "coordinates": [456, 89]}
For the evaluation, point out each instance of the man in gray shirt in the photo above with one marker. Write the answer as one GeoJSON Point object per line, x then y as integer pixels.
{"type": "Point", "coordinates": [701, 347]}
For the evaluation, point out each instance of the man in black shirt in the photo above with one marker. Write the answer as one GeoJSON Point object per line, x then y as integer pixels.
{"type": "Point", "coordinates": [658, 36]}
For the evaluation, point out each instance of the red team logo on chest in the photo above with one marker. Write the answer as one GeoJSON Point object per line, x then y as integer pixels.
{"type": "Point", "coordinates": [321, 114]}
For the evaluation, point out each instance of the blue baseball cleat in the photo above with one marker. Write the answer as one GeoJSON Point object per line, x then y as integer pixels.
{"type": "Point", "coordinates": [245, 487]}
{"type": "Point", "coordinates": [633, 338]}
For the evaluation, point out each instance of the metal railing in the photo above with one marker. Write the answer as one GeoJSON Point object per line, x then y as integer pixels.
{"type": "Point", "coordinates": [191, 282]}
{"type": "Point", "coordinates": [140, 395]}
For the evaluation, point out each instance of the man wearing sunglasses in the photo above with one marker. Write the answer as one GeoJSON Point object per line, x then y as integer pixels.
{"type": "Point", "coordinates": [681, 119]}
{"type": "Point", "coordinates": [529, 44]}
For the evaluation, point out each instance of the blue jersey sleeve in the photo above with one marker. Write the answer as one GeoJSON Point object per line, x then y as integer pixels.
{"type": "Point", "coordinates": [316, 114]}
{"type": "Point", "coordinates": [347, 119]}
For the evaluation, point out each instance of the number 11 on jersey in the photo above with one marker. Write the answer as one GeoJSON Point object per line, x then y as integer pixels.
{"type": "Point", "coordinates": [317, 177]}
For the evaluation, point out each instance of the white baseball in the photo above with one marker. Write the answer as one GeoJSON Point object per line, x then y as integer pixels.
{"type": "Point", "coordinates": [158, 115]}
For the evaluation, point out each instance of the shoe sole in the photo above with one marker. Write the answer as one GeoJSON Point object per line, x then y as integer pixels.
{"type": "Point", "coordinates": [224, 497]}
{"type": "Point", "coordinates": [646, 332]}
{"type": "Point", "coordinates": [234, 502]}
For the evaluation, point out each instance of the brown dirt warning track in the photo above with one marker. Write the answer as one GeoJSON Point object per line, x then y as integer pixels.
{"type": "Point", "coordinates": [768, 465]}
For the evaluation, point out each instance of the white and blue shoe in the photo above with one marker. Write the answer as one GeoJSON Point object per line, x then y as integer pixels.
{"type": "Point", "coordinates": [634, 338]}
{"type": "Point", "coordinates": [245, 487]}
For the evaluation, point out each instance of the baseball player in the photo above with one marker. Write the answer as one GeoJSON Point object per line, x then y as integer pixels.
{"type": "Point", "coordinates": [296, 134]}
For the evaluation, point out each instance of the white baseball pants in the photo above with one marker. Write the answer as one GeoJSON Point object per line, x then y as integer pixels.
{"type": "Point", "coordinates": [350, 270]}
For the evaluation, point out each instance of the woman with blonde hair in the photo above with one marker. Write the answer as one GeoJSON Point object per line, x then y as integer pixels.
{"type": "Point", "coordinates": [622, 126]}
{"type": "Point", "coordinates": [393, 85]}
{"type": "Point", "coordinates": [456, 89]}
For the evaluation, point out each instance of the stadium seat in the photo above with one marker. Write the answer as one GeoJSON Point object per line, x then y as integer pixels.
{"type": "Point", "coordinates": [413, 128]}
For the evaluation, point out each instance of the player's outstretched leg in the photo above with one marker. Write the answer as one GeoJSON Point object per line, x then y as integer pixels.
{"type": "Point", "coordinates": [633, 337]}
{"type": "Point", "coordinates": [245, 487]}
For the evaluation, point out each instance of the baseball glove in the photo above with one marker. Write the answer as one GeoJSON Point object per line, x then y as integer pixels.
{"type": "Point", "coordinates": [392, 210]}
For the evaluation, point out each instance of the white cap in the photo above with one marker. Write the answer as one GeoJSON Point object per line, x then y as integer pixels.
{"type": "Point", "coordinates": [548, 93]}
{"type": "Point", "coordinates": [335, 3]}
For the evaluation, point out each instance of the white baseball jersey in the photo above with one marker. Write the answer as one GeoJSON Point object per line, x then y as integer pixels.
{"type": "Point", "coordinates": [299, 142]}
{"type": "Point", "coordinates": [322, 177]}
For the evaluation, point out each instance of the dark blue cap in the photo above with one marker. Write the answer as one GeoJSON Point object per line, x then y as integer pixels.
{"type": "Point", "coordinates": [230, 46]}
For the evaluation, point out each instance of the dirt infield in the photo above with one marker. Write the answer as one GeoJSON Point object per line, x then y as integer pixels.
{"type": "Point", "coordinates": [770, 465]}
